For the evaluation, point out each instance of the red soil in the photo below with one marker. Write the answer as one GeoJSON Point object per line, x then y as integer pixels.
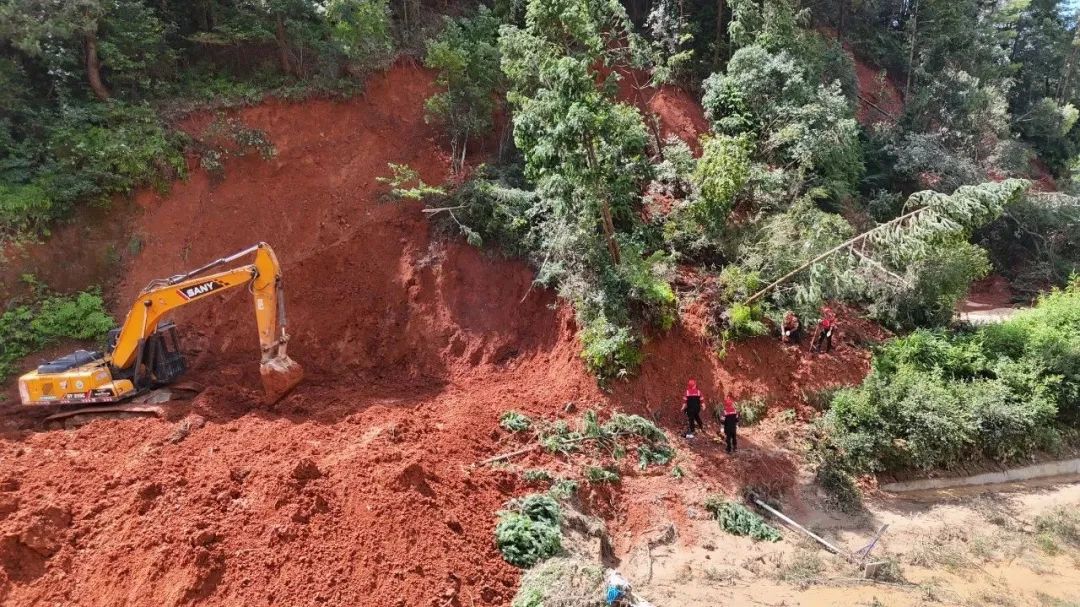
{"type": "Point", "coordinates": [357, 488]}
{"type": "Point", "coordinates": [880, 100]}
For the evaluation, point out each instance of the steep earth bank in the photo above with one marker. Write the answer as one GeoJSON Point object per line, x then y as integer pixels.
{"type": "Point", "coordinates": [359, 488]}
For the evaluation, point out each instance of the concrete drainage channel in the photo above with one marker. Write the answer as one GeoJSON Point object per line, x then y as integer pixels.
{"type": "Point", "coordinates": [1035, 471]}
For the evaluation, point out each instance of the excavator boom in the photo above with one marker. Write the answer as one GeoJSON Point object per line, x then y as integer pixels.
{"type": "Point", "coordinates": [142, 354]}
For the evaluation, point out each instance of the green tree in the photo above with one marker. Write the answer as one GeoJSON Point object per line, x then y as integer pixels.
{"type": "Point", "coordinates": [466, 56]}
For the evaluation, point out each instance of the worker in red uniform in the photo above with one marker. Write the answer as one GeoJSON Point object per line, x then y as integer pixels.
{"type": "Point", "coordinates": [731, 424]}
{"type": "Point", "coordinates": [693, 405]}
{"type": "Point", "coordinates": [826, 326]}
{"type": "Point", "coordinates": [789, 329]}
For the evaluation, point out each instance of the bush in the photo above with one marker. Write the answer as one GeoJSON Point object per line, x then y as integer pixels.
{"type": "Point", "coordinates": [27, 328]}
{"type": "Point", "coordinates": [751, 411]}
{"type": "Point", "coordinates": [528, 530]}
{"type": "Point", "coordinates": [609, 350]}
{"type": "Point", "coordinates": [739, 520]}
{"type": "Point", "coordinates": [537, 476]}
{"type": "Point", "coordinates": [839, 487]}
{"type": "Point", "coordinates": [935, 399]}
{"type": "Point", "coordinates": [513, 421]}
{"type": "Point", "coordinates": [598, 476]}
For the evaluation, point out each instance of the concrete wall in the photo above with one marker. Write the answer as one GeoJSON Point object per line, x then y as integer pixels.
{"type": "Point", "coordinates": [1046, 469]}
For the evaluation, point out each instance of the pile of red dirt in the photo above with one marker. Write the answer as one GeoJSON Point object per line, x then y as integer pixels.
{"type": "Point", "coordinates": [359, 487]}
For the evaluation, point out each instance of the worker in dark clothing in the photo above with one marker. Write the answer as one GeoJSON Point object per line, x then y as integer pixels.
{"type": "Point", "coordinates": [693, 404]}
{"type": "Point", "coordinates": [731, 424]}
{"type": "Point", "coordinates": [789, 329]}
{"type": "Point", "coordinates": [826, 326]}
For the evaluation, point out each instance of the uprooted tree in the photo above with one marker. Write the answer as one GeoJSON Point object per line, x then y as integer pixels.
{"type": "Point", "coordinates": [887, 257]}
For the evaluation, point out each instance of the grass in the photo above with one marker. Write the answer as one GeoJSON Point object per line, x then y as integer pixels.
{"type": "Point", "coordinates": [804, 566]}
{"type": "Point", "coordinates": [1058, 526]}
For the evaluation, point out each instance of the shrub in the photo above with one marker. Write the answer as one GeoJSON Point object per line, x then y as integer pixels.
{"type": "Point", "coordinates": [650, 455]}
{"type": "Point", "coordinates": [936, 399]}
{"type": "Point", "coordinates": [528, 530]}
{"type": "Point", "coordinates": [609, 350]}
{"type": "Point", "coordinates": [514, 421]}
{"type": "Point", "coordinates": [739, 520]}
{"type": "Point", "coordinates": [563, 489]}
{"type": "Point", "coordinates": [524, 541]}
{"type": "Point", "coordinates": [1060, 524]}
{"type": "Point", "coordinates": [751, 411]}
{"type": "Point", "coordinates": [537, 476]}
{"type": "Point", "coordinates": [30, 327]}
{"type": "Point", "coordinates": [839, 487]}
{"type": "Point", "coordinates": [598, 476]}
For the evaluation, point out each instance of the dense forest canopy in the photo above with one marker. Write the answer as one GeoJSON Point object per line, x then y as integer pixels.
{"type": "Point", "coordinates": [791, 200]}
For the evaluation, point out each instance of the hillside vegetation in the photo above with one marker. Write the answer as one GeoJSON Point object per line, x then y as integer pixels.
{"type": "Point", "coordinates": [786, 203]}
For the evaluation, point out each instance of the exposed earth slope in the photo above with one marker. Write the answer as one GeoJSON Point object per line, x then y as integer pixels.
{"type": "Point", "coordinates": [359, 488]}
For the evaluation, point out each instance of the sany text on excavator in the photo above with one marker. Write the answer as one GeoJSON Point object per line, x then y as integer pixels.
{"type": "Point", "coordinates": [144, 352]}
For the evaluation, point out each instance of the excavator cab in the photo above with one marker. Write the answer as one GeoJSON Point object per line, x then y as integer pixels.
{"type": "Point", "coordinates": [162, 361]}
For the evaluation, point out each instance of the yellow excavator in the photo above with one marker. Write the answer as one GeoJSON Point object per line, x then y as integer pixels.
{"type": "Point", "coordinates": [144, 353]}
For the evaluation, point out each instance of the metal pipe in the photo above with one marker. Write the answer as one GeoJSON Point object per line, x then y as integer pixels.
{"type": "Point", "coordinates": [822, 541]}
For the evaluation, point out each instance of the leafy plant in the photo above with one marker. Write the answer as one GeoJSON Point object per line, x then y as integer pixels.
{"type": "Point", "coordinates": [598, 476]}
{"type": "Point", "coordinates": [514, 421]}
{"type": "Point", "coordinates": [405, 183]}
{"type": "Point", "coordinates": [528, 530]}
{"type": "Point", "coordinates": [738, 520]}
{"type": "Point", "coordinates": [29, 327]}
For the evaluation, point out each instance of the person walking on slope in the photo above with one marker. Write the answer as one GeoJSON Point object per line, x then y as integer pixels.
{"type": "Point", "coordinates": [693, 404]}
{"type": "Point", "coordinates": [731, 424]}
{"type": "Point", "coordinates": [826, 326]}
{"type": "Point", "coordinates": [789, 329]}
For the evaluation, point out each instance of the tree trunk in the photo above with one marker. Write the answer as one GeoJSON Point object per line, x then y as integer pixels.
{"type": "Point", "coordinates": [282, 44]}
{"type": "Point", "coordinates": [911, 51]}
{"type": "Point", "coordinates": [1070, 65]}
{"type": "Point", "coordinates": [93, 66]}
{"type": "Point", "coordinates": [721, 36]}
{"type": "Point", "coordinates": [606, 220]}
{"type": "Point", "coordinates": [609, 231]}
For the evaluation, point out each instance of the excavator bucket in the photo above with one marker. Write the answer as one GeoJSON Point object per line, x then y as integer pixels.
{"type": "Point", "coordinates": [279, 376]}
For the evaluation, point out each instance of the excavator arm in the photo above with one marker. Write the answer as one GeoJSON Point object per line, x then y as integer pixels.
{"type": "Point", "coordinates": [263, 278]}
{"type": "Point", "coordinates": [144, 352]}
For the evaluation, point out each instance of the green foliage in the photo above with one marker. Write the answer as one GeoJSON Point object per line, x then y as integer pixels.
{"type": "Point", "coordinates": [360, 31]}
{"type": "Point", "coordinates": [796, 122]}
{"type": "Point", "coordinates": [719, 176]}
{"type": "Point", "coordinates": [737, 519]}
{"type": "Point", "coordinates": [29, 327]}
{"type": "Point", "coordinates": [600, 476]}
{"type": "Point", "coordinates": [752, 411]}
{"type": "Point", "coordinates": [537, 476]}
{"type": "Point", "coordinates": [563, 489]}
{"type": "Point", "coordinates": [405, 183]}
{"type": "Point", "coordinates": [466, 57]}
{"type": "Point", "coordinates": [936, 400]}
{"type": "Point", "coordinates": [839, 487]}
{"type": "Point", "coordinates": [528, 530]}
{"type": "Point", "coordinates": [514, 421]}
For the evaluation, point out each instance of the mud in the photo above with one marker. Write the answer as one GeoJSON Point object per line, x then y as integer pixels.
{"type": "Point", "coordinates": [358, 487]}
